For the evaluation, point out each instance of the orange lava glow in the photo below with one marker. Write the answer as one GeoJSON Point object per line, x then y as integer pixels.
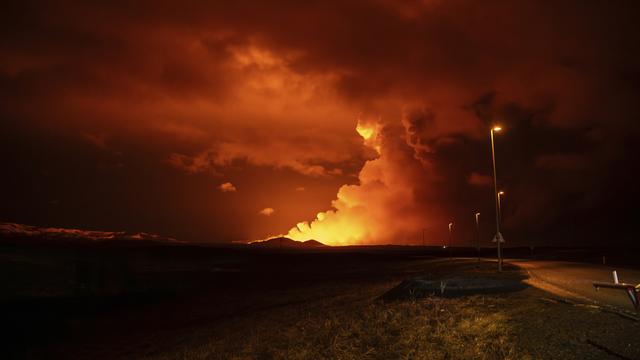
{"type": "Point", "coordinates": [370, 133]}
{"type": "Point", "coordinates": [345, 226]}
{"type": "Point", "coordinates": [364, 213]}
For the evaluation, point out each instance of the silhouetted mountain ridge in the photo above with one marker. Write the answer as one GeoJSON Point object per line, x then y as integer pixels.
{"type": "Point", "coordinates": [285, 242]}
{"type": "Point", "coordinates": [35, 233]}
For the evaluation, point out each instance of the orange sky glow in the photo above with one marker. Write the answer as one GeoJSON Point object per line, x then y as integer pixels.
{"type": "Point", "coordinates": [349, 123]}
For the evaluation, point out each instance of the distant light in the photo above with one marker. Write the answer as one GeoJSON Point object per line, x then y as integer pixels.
{"type": "Point", "coordinates": [501, 193]}
{"type": "Point", "coordinates": [497, 128]}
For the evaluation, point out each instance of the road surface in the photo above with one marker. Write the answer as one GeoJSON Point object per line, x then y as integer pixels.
{"type": "Point", "coordinates": [575, 280]}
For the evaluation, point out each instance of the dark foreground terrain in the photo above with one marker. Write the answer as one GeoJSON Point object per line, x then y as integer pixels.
{"type": "Point", "coordinates": [167, 301]}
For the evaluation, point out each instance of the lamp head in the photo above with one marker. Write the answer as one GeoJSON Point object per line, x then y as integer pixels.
{"type": "Point", "coordinates": [496, 128]}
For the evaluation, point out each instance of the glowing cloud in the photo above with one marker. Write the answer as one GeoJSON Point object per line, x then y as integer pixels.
{"type": "Point", "coordinates": [227, 187]}
{"type": "Point", "coordinates": [267, 211]}
{"type": "Point", "coordinates": [382, 208]}
{"type": "Point", "coordinates": [370, 132]}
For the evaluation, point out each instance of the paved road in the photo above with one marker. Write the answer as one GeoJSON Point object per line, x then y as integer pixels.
{"type": "Point", "coordinates": [575, 280]}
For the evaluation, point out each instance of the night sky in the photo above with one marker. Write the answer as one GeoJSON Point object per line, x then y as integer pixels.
{"type": "Point", "coordinates": [368, 120]}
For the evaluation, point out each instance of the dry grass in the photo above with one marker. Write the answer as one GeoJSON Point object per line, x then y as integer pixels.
{"type": "Point", "coordinates": [358, 326]}
{"type": "Point", "coordinates": [343, 320]}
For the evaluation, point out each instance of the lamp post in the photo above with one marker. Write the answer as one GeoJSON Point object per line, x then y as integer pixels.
{"type": "Point", "coordinates": [478, 233]}
{"type": "Point", "coordinates": [497, 199]}
{"type": "Point", "coordinates": [450, 236]}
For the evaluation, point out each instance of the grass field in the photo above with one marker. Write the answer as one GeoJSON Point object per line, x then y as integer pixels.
{"type": "Point", "coordinates": [325, 305]}
{"type": "Point", "coordinates": [350, 322]}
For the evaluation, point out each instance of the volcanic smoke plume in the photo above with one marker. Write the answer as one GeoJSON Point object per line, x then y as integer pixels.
{"type": "Point", "coordinates": [382, 208]}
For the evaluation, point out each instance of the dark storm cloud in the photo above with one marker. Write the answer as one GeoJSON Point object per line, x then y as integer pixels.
{"type": "Point", "coordinates": [227, 86]}
{"type": "Point", "coordinates": [554, 177]}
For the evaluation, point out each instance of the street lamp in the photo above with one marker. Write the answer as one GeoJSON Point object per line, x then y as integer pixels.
{"type": "Point", "coordinates": [497, 198]}
{"type": "Point", "coordinates": [478, 231]}
{"type": "Point", "coordinates": [450, 236]}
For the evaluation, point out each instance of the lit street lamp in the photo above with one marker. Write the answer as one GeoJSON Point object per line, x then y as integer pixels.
{"type": "Point", "coordinates": [478, 231]}
{"type": "Point", "coordinates": [498, 237]}
{"type": "Point", "coordinates": [450, 236]}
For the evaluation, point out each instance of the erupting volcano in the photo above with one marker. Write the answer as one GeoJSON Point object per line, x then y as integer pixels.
{"type": "Point", "coordinates": [382, 208]}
